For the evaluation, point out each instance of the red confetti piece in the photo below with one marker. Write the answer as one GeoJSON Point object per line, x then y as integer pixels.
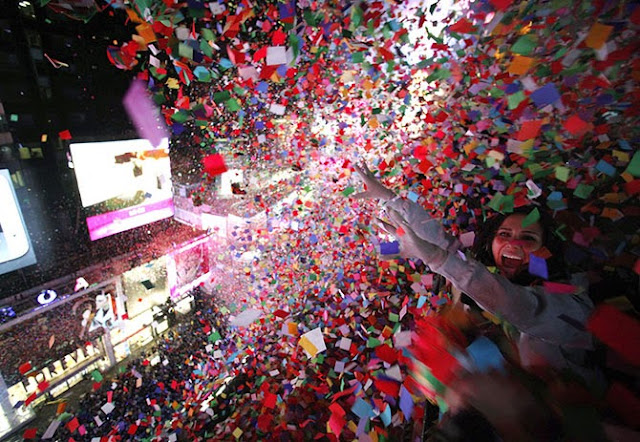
{"type": "Point", "coordinates": [619, 331]}
{"type": "Point", "coordinates": [24, 368]}
{"type": "Point", "coordinates": [214, 164]}
{"type": "Point", "coordinates": [30, 433]}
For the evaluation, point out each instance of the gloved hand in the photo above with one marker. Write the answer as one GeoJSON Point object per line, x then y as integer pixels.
{"type": "Point", "coordinates": [374, 188]}
{"type": "Point", "coordinates": [411, 245]}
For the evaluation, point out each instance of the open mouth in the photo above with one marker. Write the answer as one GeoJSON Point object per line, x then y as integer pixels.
{"type": "Point", "coordinates": [511, 260]}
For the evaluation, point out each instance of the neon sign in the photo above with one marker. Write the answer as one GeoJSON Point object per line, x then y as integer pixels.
{"type": "Point", "coordinates": [47, 297]}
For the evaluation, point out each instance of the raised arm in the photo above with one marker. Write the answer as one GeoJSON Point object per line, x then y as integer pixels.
{"type": "Point", "coordinates": [552, 317]}
{"type": "Point", "coordinates": [423, 224]}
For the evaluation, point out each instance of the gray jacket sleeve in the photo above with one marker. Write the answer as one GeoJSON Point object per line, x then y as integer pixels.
{"type": "Point", "coordinates": [555, 318]}
{"type": "Point", "coordinates": [424, 225]}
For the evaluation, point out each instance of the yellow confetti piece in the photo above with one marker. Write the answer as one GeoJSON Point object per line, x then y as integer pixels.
{"type": "Point", "coordinates": [621, 156]}
{"type": "Point", "coordinates": [133, 16]}
{"type": "Point", "coordinates": [146, 31]}
{"type": "Point", "coordinates": [598, 35]}
{"type": "Point", "coordinates": [470, 147]}
{"type": "Point", "coordinates": [308, 346]}
{"type": "Point", "coordinates": [172, 83]}
{"type": "Point", "coordinates": [237, 433]}
{"type": "Point", "coordinates": [627, 176]}
{"type": "Point", "coordinates": [520, 65]}
{"type": "Point", "coordinates": [614, 198]}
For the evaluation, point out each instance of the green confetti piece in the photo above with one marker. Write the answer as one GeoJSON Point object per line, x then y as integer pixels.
{"type": "Point", "coordinates": [221, 97]}
{"type": "Point", "coordinates": [356, 16]}
{"type": "Point", "coordinates": [514, 100]}
{"type": "Point", "coordinates": [180, 117]}
{"type": "Point", "coordinates": [524, 45]}
{"type": "Point", "coordinates": [357, 57]}
{"type": "Point", "coordinates": [496, 92]}
{"type": "Point", "coordinates": [97, 376]}
{"type": "Point", "coordinates": [232, 104]}
{"type": "Point", "coordinates": [634, 166]}
{"type": "Point", "coordinates": [207, 34]}
{"type": "Point", "coordinates": [583, 191]}
{"type": "Point", "coordinates": [159, 98]}
{"type": "Point", "coordinates": [501, 203]}
{"type": "Point", "coordinates": [348, 191]}
{"type": "Point", "coordinates": [562, 173]}
{"type": "Point", "coordinates": [185, 51]}
{"type": "Point", "coordinates": [532, 218]}
{"type": "Point", "coordinates": [373, 342]}
{"type": "Point", "coordinates": [439, 74]}
{"type": "Point", "coordinates": [214, 337]}
{"type": "Point", "coordinates": [206, 49]}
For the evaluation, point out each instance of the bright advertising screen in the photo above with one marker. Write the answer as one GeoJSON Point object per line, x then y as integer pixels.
{"type": "Point", "coordinates": [16, 250]}
{"type": "Point", "coordinates": [123, 184]}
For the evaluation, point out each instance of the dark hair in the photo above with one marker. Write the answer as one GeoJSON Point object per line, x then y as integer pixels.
{"type": "Point", "coordinates": [485, 233]}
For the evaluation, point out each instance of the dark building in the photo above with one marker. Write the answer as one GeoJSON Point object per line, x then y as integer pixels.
{"type": "Point", "coordinates": [55, 76]}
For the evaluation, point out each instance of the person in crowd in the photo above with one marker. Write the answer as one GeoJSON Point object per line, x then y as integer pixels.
{"type": "Point", "coordinates": [550, 325]}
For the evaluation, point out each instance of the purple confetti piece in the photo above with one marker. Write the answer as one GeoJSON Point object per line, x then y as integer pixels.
{"type": "Point", "coordinates": [144, 114]}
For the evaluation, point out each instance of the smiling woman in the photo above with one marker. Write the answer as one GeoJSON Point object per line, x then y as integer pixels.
{"type": "Point", "coordinates": [512, 245]}
{"type": "Point", "coordinates": [551, 326]}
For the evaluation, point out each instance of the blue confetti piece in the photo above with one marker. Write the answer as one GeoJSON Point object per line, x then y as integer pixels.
{"type": "Point", "coordinates": [177, 128]}
{"type": "Point", "coordinates": [538, 266]}
{"type": "Point", "coordinates": [547, 94]}
{"type": "Point", "coordinates": [624, 144]}
{"type": "Point", "coordinates": [486, 355]}
{"type": "Point", "coordinates": [386, 416]}
{"type": "Point", "coordinates": [406, 403]}
{"type": "Point", "coordinates": [606, 168]}
{"type": "Point", "coordinates": [225, 63]}
{"type": "Point", "coordinates": [362, 409]}
{"type": "Point", "coordinates": [287, 10]}
{"type": "Point", "coordinates": [282, 70]}
{"type": "Point", "coordinates": [389, 248]}
{"type": "Point", "coordinates": [412, 196]}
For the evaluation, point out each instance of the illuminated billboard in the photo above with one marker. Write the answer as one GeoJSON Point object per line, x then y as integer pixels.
{"type": "Point", "coordinates": [146, 286]}
{"type": "Point", "coordinates": [188, 266]}
{"type": "Point", "coordinates": [16, 250]}
{"type": "Point", "coordinates": [123, 184]}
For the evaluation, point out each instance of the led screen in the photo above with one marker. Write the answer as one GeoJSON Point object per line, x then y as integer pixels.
{"type": "Point", "coordinates": [146, 286]}
{"type": "Point", "coordinates": [16, 250]}
{"type": "Point", "coordinates": [123, 184]}
{"type": "Point", "coordinates": [190, 266]}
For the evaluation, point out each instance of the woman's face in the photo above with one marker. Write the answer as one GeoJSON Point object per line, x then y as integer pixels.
{"type": "Point", "coordinates": [512, 244]}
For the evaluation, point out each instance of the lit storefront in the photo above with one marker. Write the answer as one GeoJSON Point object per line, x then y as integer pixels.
{"type": "Point", "coordinates": [49, 349]}
{"type": "Point", "coordinates": [62, 338]}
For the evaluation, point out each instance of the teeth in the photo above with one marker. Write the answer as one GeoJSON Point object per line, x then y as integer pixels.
{"type": "Point", "coordinates": [507, 255]}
